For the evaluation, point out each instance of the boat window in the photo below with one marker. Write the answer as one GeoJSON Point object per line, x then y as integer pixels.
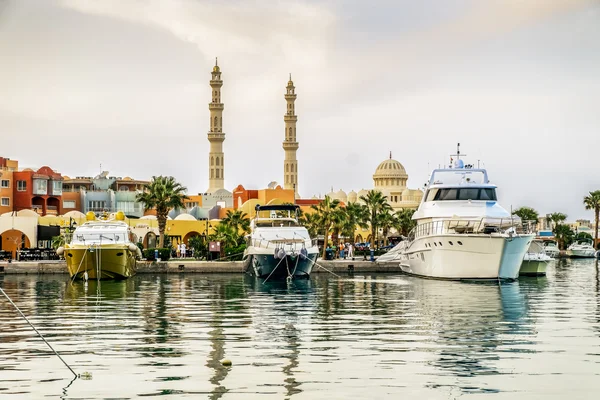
{"type": "Point", "coordinates": [488, 194]}
{"type": "Point", "coordinates": [468, 194]}
{"type": "Point", "coordinates": [430, 196]}
{"type": "Point", "coordinates": [446, 194]}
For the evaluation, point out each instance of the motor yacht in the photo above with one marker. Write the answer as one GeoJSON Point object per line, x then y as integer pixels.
{"type": "Point", "coordinates": [278, 246]}
{"type": "Point", "coordinates": [551, 248]}
{"type": "Point", "coordinates": [462, 231]}
{"type": "Point", "coordinates": [581, 249]}
{"type": "Point", "coordinates": [536, 260]}
{"type": "Point", "coordinates": [101, 248]}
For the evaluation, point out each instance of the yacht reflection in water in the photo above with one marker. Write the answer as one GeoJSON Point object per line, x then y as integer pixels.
{"type": "Point", "coordinates": [284, 330]}
{"type": "Point", "coordinates": [472, 325]}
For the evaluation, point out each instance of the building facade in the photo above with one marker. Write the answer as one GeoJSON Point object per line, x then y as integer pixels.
{"type": "Point", "coordinates": [216, 137]}
{"type": "Point", "coordinates": [40, 191]}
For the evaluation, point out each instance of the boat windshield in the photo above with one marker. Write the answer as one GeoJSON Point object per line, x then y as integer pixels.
{"type": "Point", "coordinates": [471, 193]}
{"type": "Point", "coordinates": [98, 237]}
{"type": "Point", "coordinates": [276, 223]}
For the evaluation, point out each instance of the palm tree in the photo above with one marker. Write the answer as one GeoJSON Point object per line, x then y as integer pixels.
{"type": "Point", "coordinates": [163, 193]}
{"type": "Point", "coordinates": [356, 215]}
{"type": "Point", "coordinates": [564, 235]}
{"type": "Point", "coordinates": [326, 217]}
{"type": "Point", "coordinates": [225, 234]}
{"type": "Point", "coordinates": [405, 223]}
{"type": "Point", "coordinates": [592, 202]}
{"type": "Point", "coordinates": [386, 220]}
{"type": "Point", "coordinates": [556, 218]}
{"type": "Point", "coordinates": [239, 221]}
{"type": "Point", "coordinates": [526, 214]}
{"type": "Point", "coordinates": [375, 202]}
{"type": "Point", "coordinates": [311, 222]}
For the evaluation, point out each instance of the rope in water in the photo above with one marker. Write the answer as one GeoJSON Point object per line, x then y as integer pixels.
{"type": "Point", "coordinates": [36, 331]}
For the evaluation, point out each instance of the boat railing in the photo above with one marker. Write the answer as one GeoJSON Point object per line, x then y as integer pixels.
{"type": "Point", "coordinates": [464, 226]}
{"type": "Point", "coordinates": [98, 238]}
{"type": "Point", "coordinates": [287, 243]}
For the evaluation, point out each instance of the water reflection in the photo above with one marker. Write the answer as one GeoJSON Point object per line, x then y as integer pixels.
{"type": "Point", "coordinates": [362, 337]}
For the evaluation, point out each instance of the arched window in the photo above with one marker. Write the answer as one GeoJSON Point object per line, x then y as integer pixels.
{"type": "Point", "coordinates": [212, 173]}
{"type": "Point", "coordinates": [217, 161]}
{"type": "Point", "coordinates": [287, 168]}
{"type": "Point", "coordinates": [217, 173]}
{"type": "Point", "coordinates": [216, 121]}
{"type": "Point", "coordinates": [291, 133]}
{"type": "Point", "coordinates": [212, 161]}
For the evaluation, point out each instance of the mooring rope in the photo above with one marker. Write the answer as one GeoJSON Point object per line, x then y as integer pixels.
{"type": "Point", "coordinates": [80, 262]}
{"type": "Point", "coordinates": [36, 331]}
{"type": "Point", "coordinates": [273, 270]}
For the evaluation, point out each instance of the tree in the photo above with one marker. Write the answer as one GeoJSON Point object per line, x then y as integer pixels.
{"type": "Point", "coordinates": [326, 217]}
{"type": "Point", "coordinates": [311, 222]}
{"type": "Point", "coordinates": [356, 215]}
{"type": "Point", "coordinates": [198, 244]}
{"type": "Point", "coordinates": [564, 235]}
{"type": "Point", "coordinates": [239, 222]}
{"type": "Point", "coordinates": [404, 221]}
{"type": "Point", "coordinates": [225, 234]}
{"type": "Point", "coordinates": [557, 217]}
{"type": "Point", "coordinates": [375, 203]}
{"type": "Point", "coordinates": [386, 220]}
{"type": "Point", "coordinates": [592, 202]}
{"type": "Point", "coordinates": [163, 193]}
{"type": "Point", "coordinates": [526, 214]}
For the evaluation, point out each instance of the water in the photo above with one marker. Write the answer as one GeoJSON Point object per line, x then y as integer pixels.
{"type": "Point", "coordinates": [361, 337]}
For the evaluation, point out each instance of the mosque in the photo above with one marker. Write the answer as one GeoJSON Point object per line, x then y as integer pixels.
{"type": "Point", "coordinates": [390, 178]}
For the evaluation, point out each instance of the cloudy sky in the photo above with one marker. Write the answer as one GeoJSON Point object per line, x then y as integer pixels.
{"type": "Point", "coordinates": [124, 84]}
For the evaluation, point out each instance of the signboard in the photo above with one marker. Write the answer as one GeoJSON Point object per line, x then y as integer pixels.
{"type": "Point", "coordinates": [214, 246]}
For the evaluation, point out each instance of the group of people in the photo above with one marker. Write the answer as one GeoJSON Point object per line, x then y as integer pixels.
{"type": "Point", "coordinates": [344, 250]}
{"type": "Point", "coordinates": [182, 251]}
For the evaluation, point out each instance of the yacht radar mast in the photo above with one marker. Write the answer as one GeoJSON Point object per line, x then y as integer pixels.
{"type": "Point", "coordinates": [458, 163]}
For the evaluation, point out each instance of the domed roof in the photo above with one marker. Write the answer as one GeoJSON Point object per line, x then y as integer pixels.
{"type": "Point", "coordinates": [390, 168]}
{"type": "Point", "coordinates": [352, 196]}
{"type": "Point", "coordinates": [185, 217]}
{"type": "Point", "coordinates": [340, 195]}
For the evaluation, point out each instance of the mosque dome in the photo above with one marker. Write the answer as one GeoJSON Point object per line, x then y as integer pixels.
{"type": "Point", "coordinates": [390, 174]}
{"type": "Point", "coordinates": [352, 197]}
{"type": "Point", "coordinates": [340, 195]}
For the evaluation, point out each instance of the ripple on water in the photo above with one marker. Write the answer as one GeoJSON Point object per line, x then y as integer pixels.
{"type": "Point", "coordinates": [354, 337]}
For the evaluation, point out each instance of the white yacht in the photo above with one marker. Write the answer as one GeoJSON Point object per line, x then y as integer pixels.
{"type": "Point", "coordinates": [551, 248]}
{"type": "Point", "coordinates": [278, 246]}
{"type": "Point", "coordinates": [462, 232]}
{"type": "Point", "coordinates": [581, 249]}
{"type": "Point", "coordinates": [536, 260]}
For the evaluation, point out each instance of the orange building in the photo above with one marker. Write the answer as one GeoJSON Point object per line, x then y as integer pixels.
{"type": "Point", "coordinates": [7, 168]}
{"type": "Point", "coordinates": [40, 191]}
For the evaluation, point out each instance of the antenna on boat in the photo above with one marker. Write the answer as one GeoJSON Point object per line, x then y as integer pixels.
{"type": "Point", "coordinates": [457, 155]}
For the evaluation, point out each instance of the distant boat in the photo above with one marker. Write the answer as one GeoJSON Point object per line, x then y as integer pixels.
{"type": "Point", "coordinates": [551, 248]}
{"type": "Point", "coordinates": [581, 249]}
{"type": "Point", "coordinates": [535, 261]}
{"type": "Point", "coordinates": [101, 249]}
{"type": "Point", "coordinates": [462, 232]}
{"type": "Point", "coordinates": [278, 247]}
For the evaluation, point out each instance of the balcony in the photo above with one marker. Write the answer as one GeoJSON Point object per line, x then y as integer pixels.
{"type": "Point", "coordinates": [51, 210]}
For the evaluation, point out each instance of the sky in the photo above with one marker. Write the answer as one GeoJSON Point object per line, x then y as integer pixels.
{"type": "Point", "coordinates": [122, 85]}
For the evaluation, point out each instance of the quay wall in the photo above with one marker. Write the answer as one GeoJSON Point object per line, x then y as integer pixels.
{"type": "Point", "coordinates": [193, 266]}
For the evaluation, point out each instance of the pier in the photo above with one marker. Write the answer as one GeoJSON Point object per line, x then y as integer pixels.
{"type": "Point", "coordinates": [194, 266]}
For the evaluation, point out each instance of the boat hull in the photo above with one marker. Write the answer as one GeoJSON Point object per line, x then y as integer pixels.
{"type": "Point", "coordinates": [466, 256]}
{"type": "Point", "coordinates": [533, 268]}
{"type": "Point", "coordinates": [100, 262]}
{"type": "Point", "coordinates": [268, 266]}
{"type": "Point", "coordinates": [581, 253]}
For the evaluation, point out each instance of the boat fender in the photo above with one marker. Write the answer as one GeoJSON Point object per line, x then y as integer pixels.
{"type": "Point", "coordinates": [139, 253]}
{"type": "Point", "coordinates": [281, 253]}
{"type": "Point", "coordinates": [60, 251]}
{"type": "Point", "coordinates": [133, 247]}
{"type": "Point", "coordinates": [276, 254]}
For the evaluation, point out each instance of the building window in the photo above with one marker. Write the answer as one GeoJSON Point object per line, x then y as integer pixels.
{"type": "Point", "coordinates": [5, 183]}
{"type": "Point", "coordinates": [96, 205]}
{"type": "Point", "coordinates": [21, 186]}
{"type": "Point", "coordinates": [68, 204]}
{"type": "Point", "coordinates": [123, 188]}
{"type": "Point", "coordinates": [5, 201]}
{"type": "Point", "coordinates": [57, 187]}
{"type": "Point", "coordinates": [40, 186]}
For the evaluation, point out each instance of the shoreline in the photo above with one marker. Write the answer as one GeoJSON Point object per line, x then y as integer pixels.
{"type": "Point", "coordinates": [194, 266]}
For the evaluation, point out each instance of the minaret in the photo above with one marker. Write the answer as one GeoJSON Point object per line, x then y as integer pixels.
{"type": "Point", "coordinates": [290, 145]}
{"type": "Point", "coordinates": [216, 158]}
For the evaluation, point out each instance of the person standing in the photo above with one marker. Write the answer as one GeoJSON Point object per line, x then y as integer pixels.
{"type": "Point", "coordinates": [178, 250]}
{"type": "Point", "coordinates": [183, 250]}
{"type": "Point", "coordinates": [350, 251]}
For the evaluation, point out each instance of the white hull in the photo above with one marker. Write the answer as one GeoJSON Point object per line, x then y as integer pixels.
{"type": "Point", "coordinates": [581, 253]}
{"type": "Point", "coordinates": [468, 257]}
{"type": "Point", "coordinates": [552, 252]}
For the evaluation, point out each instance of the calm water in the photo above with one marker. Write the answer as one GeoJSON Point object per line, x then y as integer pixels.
{"type": "Point", "coordinates": [362, 337]}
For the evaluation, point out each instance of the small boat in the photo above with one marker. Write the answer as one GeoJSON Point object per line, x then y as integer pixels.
{"type": "Point", "coordinates": [581, 249]}
{"type": "Point", "coordinates": [462, 231]}
{"type": "Point", "coordinates": [551, 248]}
{"type": "Point", "coordinates": [101, 249]}
{"type": "Point", "coordinates": [535, 261]}
{"type": "Point", "coordinates": [278, 247]}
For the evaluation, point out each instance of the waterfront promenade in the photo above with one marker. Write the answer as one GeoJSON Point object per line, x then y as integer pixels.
{"type": "Point", "coordinates": [194, 266]}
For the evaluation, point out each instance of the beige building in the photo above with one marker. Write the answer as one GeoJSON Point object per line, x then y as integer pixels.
{"type": "Point", "coordinates": [216, 137]}
{"type": "Point", "coordinates": [390, 178]}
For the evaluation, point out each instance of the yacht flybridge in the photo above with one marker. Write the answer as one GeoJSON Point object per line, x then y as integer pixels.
{"type": "Point", "coordinates": [462, 232]}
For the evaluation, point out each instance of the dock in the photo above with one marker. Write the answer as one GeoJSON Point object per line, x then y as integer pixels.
{"type": "Point", "coordinates": [195, 266]}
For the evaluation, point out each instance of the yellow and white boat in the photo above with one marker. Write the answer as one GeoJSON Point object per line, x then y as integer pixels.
{"type": "Point", "coordinates": [101, 249]}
